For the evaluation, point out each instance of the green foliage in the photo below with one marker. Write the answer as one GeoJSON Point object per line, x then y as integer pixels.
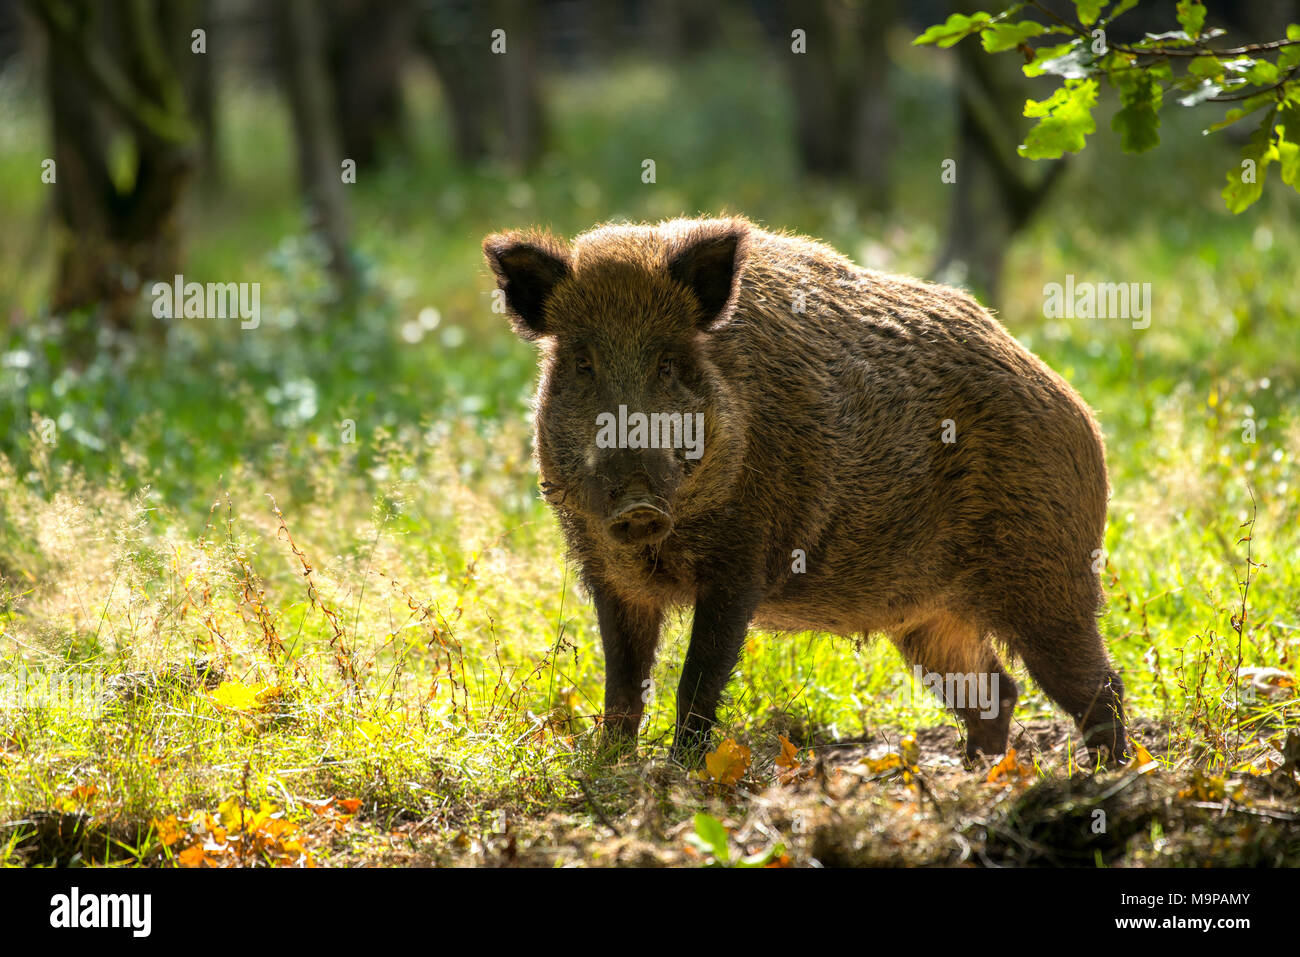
{"type": "Point", "coordinates": [1143, 72]}
{"type": "Point", "coordinates": [1008, 36]}
{"type": "Point", "coordinates": [1064, 119]}
{"type": "Point", "coordinates": [1246, 185]}
{"type": "Point", "coordinates": [1139, 119]}
{"type": "Point", "coordinates": [711, 838]}
{"type": "Point", "coordinates": [1088, 10]}
{"type": "Point", "coordinates": [955, 29]}
{"type": "Point", "coordinates": [1287, 144]}
{"type": "Point", "coordinates": [1191, 17]}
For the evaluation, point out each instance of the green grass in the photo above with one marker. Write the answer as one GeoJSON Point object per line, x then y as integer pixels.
{"type": "Point", "coordinates": [146, 535]}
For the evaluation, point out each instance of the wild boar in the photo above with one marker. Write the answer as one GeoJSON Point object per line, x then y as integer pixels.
{"type": "Point", "coordinates": [872, 454]}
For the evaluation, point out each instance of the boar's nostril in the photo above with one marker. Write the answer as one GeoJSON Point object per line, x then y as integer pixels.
{"type": "Point", "coordinates": [639, 523]}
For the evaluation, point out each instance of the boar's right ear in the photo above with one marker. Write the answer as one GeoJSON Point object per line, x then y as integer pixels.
{"type": "Point", "coordinates": [707, 261]}
{"type": "Point", "coordinates": [527, 267]}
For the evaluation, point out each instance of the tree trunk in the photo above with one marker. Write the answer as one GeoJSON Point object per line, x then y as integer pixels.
{"type": "Point", "coordinates": [319, 157]}
{"type": "Point", "coordinates": [844, 125]}
{"type": "Point", "coordinates": [521, 102]}
{"type": "Point", "coordinates": [685, 28]}
{"type": "Point", "coordinates": [111, 241]}
{"type": "Point", "coordinates": [866, 93]}
{"type": "Point", "coordinates": [202, 83]}
{"type": "Point", "coordinates": [996, 192]}
{"type": "Point", "coordinates": [494, 99]}
{"type": "Point", "coordinates": [367, 46]}
{"type": "Point", "coordinates": [455, 37]}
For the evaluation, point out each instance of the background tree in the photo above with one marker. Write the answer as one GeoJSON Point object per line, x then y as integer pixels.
{"type": "Point", "coordinates": [200, 74]}
{"type": "Point", "coordinates": [367, 45]}
{"type": "Point", "coordinates": [840, 87]}
{"type": "Point", "coordinates": [117, 66]}
{"type": "Point", "coordinates": [494, 98]}
{"type": "Point", "coordinates": [320, 157]}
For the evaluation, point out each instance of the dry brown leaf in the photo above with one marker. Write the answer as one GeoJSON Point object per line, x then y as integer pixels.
{"type": "Point", "coordinates": [729, 763]}
{"type": "Point", "coordinates": [789, 757]}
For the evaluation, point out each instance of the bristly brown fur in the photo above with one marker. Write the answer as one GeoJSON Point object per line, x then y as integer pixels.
{"type": "Point", "coordinates": [827, 390]}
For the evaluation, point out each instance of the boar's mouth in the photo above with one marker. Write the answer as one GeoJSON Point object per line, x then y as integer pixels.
{"type": "Point", "coordinates": [638, 521]}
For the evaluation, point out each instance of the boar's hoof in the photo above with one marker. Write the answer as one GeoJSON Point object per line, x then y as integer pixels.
{"type": "Point", "coordinates": [639, 523]}
{"type": "Point", "coordinates": [979, 753]}
{"type": "Point", "coordinates": [1108, 745]}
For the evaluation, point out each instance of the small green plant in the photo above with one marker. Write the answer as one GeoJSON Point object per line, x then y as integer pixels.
{"type": "Point", "coordinates": [713, 841]}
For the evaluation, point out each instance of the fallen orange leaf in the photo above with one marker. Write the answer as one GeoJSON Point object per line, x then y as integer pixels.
{"type": "Point", "coordinates": [727, 764]}
{"type": "Point", "coordinates": [1009, 769]}
{"type": "Point", "coordinates": [1141, 757]}
{"type": "Point", "coordinates": [193, 857]}
{"type": "Point", "coordinates": [789, 754]}
{"type": "Point", "coordinates": [169, 830]}
{"type": "Point", "coordinates": [888, 762]}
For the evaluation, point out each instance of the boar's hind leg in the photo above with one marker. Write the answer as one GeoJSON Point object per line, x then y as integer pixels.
{"type": "Point", "coordinates": [630, 635]}
{"type": "Point", "coordinates": [1069, 662]}
{"type": "Point", "coordinates": [961, 665]}
{"type": "Point", "coordinates": [722, 616]}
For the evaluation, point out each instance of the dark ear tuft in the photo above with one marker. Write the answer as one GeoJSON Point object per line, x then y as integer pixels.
{"type": "Point", "coordinates": [707, 261]}
{"type": "Point", "coordinates": [527, 267]}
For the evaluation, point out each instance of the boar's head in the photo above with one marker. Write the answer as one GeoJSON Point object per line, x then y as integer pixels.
{"type": "Point", "coordinates": [623, 318]}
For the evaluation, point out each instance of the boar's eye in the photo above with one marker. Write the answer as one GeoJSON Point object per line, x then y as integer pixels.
{"type": "Point", "coordinates": [583, 362]}
{"type": "Point", "coordinates": [666, 367]}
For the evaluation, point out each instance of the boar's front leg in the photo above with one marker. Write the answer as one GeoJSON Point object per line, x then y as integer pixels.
{"type": "Point", "coordinates": [630, 634]}
{"type": "Point", "coordinates": [722, 615]}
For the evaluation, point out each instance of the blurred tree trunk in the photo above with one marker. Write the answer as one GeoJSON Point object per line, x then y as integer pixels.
{"type": "Point", "coordinates": [455, 36]}
{"type": "Point", "coordinates": [996, 192]}
{"type": "Point", "coordinates": [521, 102]}
{"type": "Point", "coordinates": [844, 125]}
{"type": "Point", "coordinates": [115, 60]}
{"type": "Point", "coordinates": [686, 28]}
{"type": "Point", "coordinates": [603, 21]}
{"type": "Point", "coordinates": [494, 99]}
{"type": "Point", "coordinates": [202, 83]}
{"type": "Point", "coordinates": [367, 48]}
{"type": "Point", "coordinates": [867, 90]}
{"type": "Point", "coordinates": [302, 47]}
{"type": "Point", "coordinates": [11, 31]}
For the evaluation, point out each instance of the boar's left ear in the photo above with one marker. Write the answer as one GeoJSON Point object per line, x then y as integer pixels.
{"type": "Point", "coordinates": [707, 261]}
{"type": "Point", "coordinates": [527, 267]}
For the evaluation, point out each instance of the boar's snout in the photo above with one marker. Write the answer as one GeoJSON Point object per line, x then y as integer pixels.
{"type": "Point", "coordinates": [637, 521]}
{"type": "Point", "coordinates": [636, 489]}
